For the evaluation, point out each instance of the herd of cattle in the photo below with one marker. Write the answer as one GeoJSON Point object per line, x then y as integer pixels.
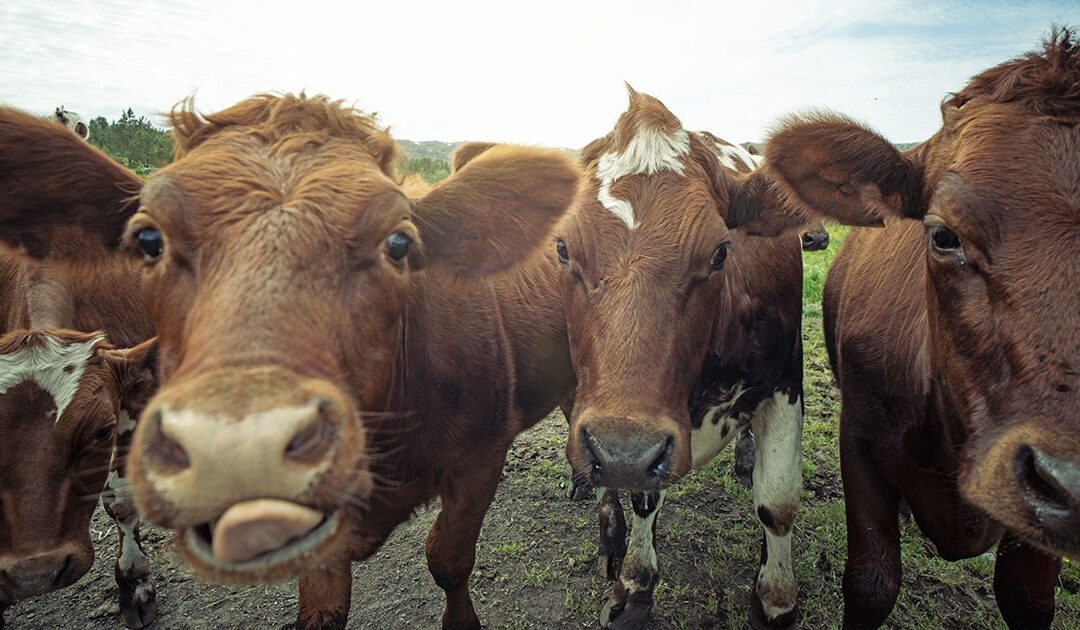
{"type": "Point", "coordinates": [282, 353]}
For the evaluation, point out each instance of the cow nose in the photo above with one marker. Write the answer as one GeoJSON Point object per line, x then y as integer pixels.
{"type": "Point", "coordinates": [36, 574]}
{"type": "Point", "coordinates": [815, 241]}
{"type": "Point", "coordinates": [634, 460]}
{"type": "Point", "coordinates": [1051, 488]}
{"type": "Point", "coordinates": [193, 457]}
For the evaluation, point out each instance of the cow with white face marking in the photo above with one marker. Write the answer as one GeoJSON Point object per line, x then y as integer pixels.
{"type": "Point", "coordinates": [684, 328]}
{"type": "Point", "coordinates": [63, 395]}
{"type": "Point", "coordinates": [72, 121]}
{"type": "Point", "coordinates": [80, 287]}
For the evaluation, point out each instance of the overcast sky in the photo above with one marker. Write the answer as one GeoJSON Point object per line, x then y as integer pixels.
{"type": "Point", "coordinates": [539, 72]}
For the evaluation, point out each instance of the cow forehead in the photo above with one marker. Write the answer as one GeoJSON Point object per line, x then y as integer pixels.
{"type": "Point", "coordinates": [650, 150]}
{"type": "Point", "coordinates": [54, 366]}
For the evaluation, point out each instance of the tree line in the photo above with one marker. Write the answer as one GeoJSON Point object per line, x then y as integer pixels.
{"type": "Point", "coordinates": [140, 145]}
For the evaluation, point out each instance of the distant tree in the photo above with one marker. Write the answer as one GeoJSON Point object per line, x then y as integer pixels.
{"type": "Point", "coordinates": [433, 170]}
{"type": "Point", "coordinates": [133, 141]}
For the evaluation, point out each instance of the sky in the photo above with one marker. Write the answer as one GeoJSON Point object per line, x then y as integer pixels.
{"type": "Point", "coordinates": [547, 73]}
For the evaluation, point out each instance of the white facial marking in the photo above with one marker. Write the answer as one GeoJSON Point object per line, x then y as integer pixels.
{"type": "Point", "coordinates": [650, 151]}
{"type": "Point", "coordinates": [717, 429]}
{"type": "Point", "coordinates": [126, 424]}
{"type": "Point", "coordinates": [45, 365]}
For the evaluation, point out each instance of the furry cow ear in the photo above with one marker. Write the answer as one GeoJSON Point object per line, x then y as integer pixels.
{"type": "Point", "coordinates": [755, 208]}
{"type": "Point", "coordinates": [833, 167]}
{"type": "Point", "coordinates": [136, 372]}
{"type": "Point", "coordinates": [495, 210]}
{"type": "Point", "coordinates": [59, 196]}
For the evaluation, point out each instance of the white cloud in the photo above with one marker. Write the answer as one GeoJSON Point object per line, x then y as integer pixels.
{"type": "Point", "coordinates": [546, 73]}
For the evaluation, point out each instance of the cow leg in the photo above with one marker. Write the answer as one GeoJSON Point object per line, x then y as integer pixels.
{"type": "Point", "coordinates": [744, 458]}
{"type": "Point", "coordinates": [612, 546]}
{"type": "Point", "coordinates": [1024, 581]}
{"type": "Point", "coordinates": [325, 596]}
{"type": "Point", "coordinates": [777, 480]}
{"type": "Point", "coordinates": [629, 605]}
{"type": "Point", "coordinates": [872, 574]}
{"type": "Point", "coordinates": [451, 543]}
{"type": "Point", "coordinates": [138, 598]}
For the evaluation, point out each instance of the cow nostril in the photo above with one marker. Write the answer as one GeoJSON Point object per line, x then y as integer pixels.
{"type": "Point", "coordinates": [169, 457]}
{"type": "Point", "coordinates": [661, 464]}
{"type": "Point", "coordinates": [1036, 474]}
{"type": "Point", "coordinates": [587, 440]}
{"type": "Point", "coordinates": [311, 443]}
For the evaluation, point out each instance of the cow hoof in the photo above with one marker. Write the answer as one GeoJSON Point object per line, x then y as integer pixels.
{"type": "Point", "coordinates": [618, 615]}
{"type": "Point", "coordinates": [759, 620]}
{"type": "Point", "coordinates": [138, 607]}
{"type": "Point", "coordinates": [579, 491]}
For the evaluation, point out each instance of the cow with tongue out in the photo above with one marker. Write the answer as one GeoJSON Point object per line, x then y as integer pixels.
{"type": "Point", "coordinates": [311, 376]}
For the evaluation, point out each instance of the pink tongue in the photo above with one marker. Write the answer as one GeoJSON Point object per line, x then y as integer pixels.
{"type": "Point", "coordinates": [252, 528]}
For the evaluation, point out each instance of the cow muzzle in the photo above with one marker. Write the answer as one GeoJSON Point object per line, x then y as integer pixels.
{"type": "Point", "coordinates": [629, 454]}
{"type": "Point", "coordinates": [1028, 479]}
{"type": "Point", "coordinates": [252, 469]}
{"type": "Point", "coordinates": [41, 573]}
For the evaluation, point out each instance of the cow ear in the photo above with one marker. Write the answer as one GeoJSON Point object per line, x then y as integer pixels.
{"type": "Point", "coordinates": [495, 210]}
{"type": "Point", "coordinates": [56, 188]}
{"type": "Point", "coordinates": [466, 152]}
{"type": "Point", "coordinates": [754, 207]}
{"type": "Point", "coordinates": [136, 372]}
{"type": "Point", "coordinates": [830, 166]}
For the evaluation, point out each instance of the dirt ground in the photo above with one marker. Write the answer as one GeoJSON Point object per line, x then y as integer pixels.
{"type": "Point", "coordinates": [535, 566]}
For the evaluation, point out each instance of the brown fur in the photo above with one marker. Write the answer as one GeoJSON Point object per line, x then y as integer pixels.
{"type": "Point", "coordinates": [38, 535]}
{"type": "Point", "coordinates": [276, 287]}
{"type": "Point", "coordinates": [658, 340]}
{"type": "Point", "coordinates": [955, 365]}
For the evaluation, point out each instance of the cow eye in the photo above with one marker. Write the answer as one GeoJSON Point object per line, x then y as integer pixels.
{"type": "Point", "coordinates": [944, 239]}
{"type": "Point", "coordinates": [150, 242]}
{"type": "Point", "coordinates": [719, 255]}
{"type": "Point", "coordinates": [397, 245]}
{"type": "Point", "coordinates": [103, 434]}
{"type": "Point", "coordinates": [562, 252]}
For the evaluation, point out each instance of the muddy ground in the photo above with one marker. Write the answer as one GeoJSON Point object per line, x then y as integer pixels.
{"type": "Point", "coordinates": [535, 565]}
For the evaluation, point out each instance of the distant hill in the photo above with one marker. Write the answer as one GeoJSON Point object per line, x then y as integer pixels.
{"type": "Point", "coordinates": [904, 146]}
{"type": "Point", "coordinates": [429, 149]}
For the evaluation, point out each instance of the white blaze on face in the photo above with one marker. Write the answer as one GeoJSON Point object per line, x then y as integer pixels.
{"type": "Point", "coordinates": [650, 151]}
{"type": "Point", "coordinates": [55, 367]}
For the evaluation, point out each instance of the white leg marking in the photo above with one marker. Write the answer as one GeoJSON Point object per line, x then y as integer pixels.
{"type": "Point", "coordinates": [640, 561]}
{"type": "Point", "coordinates": [651, 150]}
{"type": "Point", "coordinates": [56, 367]}
{"type": "Point", "coordinates": [122, 506]}
{"type": "Point", "coordinates": [777, 481]}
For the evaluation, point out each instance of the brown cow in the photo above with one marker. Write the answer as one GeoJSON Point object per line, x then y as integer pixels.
{"type": "Point", "coordinates": [316, 388]}
{"type": "Point", "coordinates": [72, 290]}
{"type": "Point", "coordinates": [684, 331]}
{"type": "Point", "coordinates": [63, 397]}
{"type": "Point", "coordinates": [956, 340]}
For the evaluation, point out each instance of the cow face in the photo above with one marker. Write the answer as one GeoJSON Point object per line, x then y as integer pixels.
{"type": "Point", "coordinates": [278, 259]}
{"type": "Point", "coordinates": [62, 396]}
{"type": "Point", "coordinates": [645, 254]}
{"type": "Point", "coordinates": [998, 190]}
